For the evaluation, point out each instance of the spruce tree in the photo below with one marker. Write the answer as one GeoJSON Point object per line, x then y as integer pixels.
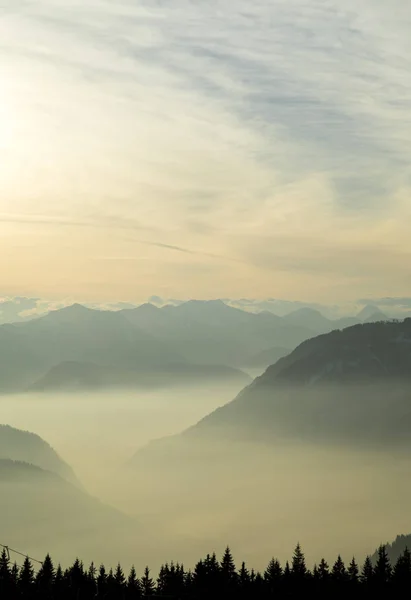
{"type": "Point", "coordinates": [45, 579]}
{"type": "Point", "coordinates": [91, 580]}
{"type": "Point", "coordinates": [162, 579]}
{"type": "Point", "coordinates": [367, 571]}
{"type": "Point", "coordinates": [102, 582]}
{"type": "Point", "coordinates": [5, 574]}
{"type": "Point", "coordinates": [273, 576]}
{"type": "Point", "coordinates": [133, 585]}
{"type": "Point", "coordinates": [298, 566]}
{"type": "Point", "coordinates": [353, 572]}
{"type": "Point", "coordinates": [147, 583]}
{"type": "Point", "coordinates": [228, 569]}
{"type": "Point", "coordinates": [402, 570]}
{"type": "Point", "coordinates": [26, 579]}
{"type": "Point", "coordinates": [119, 577]}
{"type": "Point", "coordinates": [59, 586]}
{"type": "Point", "coordinates": [244, 580]}
{"type": "Point", "coordinates": [382, 570]}
{"type": "Point", "coordinates": [339, 572]}
{"type": "Point", "coordinates": [323, 571]}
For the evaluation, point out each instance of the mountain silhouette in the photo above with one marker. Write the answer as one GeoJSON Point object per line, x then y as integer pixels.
{"type": "Point", "coordinates": [19, 445]}
{"type": "Point", "coordinates": [351, 386]}
{"type": "Point", "coordinates": [75, 376]}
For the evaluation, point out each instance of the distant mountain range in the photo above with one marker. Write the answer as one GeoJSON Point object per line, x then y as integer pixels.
{"type": "Point", "coordinates": [77, 347]}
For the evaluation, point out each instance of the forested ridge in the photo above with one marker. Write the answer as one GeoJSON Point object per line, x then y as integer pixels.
{"type": "Point", "coordinates": [209, 579]}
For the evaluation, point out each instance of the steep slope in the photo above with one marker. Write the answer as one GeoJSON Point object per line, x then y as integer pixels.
{"type": "Point", "coordinates": [74, 376]}
{"type": "Point", "coordinates": [346, 386]}
{"type": "Point", "coordinates": [352, 383]}
{"type": "Point", "coordinates": [18, 445]}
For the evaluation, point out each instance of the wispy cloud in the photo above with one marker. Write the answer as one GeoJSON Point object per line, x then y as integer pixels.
{"type": "Point", "coordinates": [266, 144]}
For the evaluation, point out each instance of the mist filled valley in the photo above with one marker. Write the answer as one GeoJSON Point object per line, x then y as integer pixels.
{"type": "Point", "coordinates": [314, 449]}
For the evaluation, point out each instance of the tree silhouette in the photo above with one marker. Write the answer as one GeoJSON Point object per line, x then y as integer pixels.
{"type": "Point", "coordinates": [298, 567]}
{"type": "Point", "coordinates": [228, 572]}
{"type": "Point", "coordinates": [323, 571]}
{"type": "Point", "coordinates": [353, 572]}
{"type": "Point", "coordinates": [210, 579]}
{"type": "Point", "coordinates": [102, 582]}
{"type": "Point", "coordinates": [367, 571]}
{"type": "Point", "coordinates": [339, 572]}
{"type": "Point", "coordinates": [5, 575]}
{"type": "Point", "coordinates": [45, 579]}
{"type": "Point", "coordinates": [147, 583]}
{"type": "Point", "coordinates": [133, 586]}
{"type": "Point", "coordinates": [382, 570]}
{"type": "Point", "coordinates": [26, 579]}
{"type": "Point", "coordinates": [401, 575]}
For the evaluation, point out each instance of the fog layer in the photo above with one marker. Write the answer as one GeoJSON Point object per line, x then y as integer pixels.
{"type": "Point", "coordinates": [259, 498]}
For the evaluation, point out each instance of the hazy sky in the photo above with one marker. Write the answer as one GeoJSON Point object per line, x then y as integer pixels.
{"type": "Point", "coordinates": [205, 149]}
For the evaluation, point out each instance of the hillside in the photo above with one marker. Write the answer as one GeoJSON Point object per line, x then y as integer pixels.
{"type": "Point", "coordinates": [346, 386]}
{"type": "Point", "coordinates": [75, 376]}
{"type": "Point", "coordinates": [46, 513]}
{"type": "Point", "coordinates": [18, 445]}
{"type": "Point", "coordinates": [353, 383]}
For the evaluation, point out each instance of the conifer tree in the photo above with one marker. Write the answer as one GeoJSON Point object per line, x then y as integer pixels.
{"type": "Point", "coordinates": [339, 572]}
{"type": "Point", "coordinates": [102, 582]}
{"type": "Point", "coordinates": [323, 571]}
{"type": "Point", "coordinates": [189, 583]}
{"type": "Point", "coordinates": [273, 576]}
{"type": "Point", "coordinates": [353, 572]}
{"type": "Point", "coordinates": [147, 583]}
{"type": "Point", "coordinates": [59, 585]}
{"type": "Point", "coordinates": [258, 584]}
{"type": "Point", "coordinates": [287, 572]}
{"type": "Point", "coordinates": [367, 571]}
{"type": "Point", "coordinates": [382, 570]}
{"type": "Point", "coordinates": [162, 579]}
{"type": "Point", "coordinates": [5, 574]}
{"type": "Point", "coordinates": [119, 577]}
{"type": "Point", "coordinates": [401, 576]}
{"type": "Point", "coordinates": [244, 579]}
{"type": "Point", "coordinates": [91, 580]}
{"type": "Point", "coordinates": [45, 579]}
{"type": "Point", "coordinates": [26, 579]}
{"type": "Point", "coordinates": [228, 569]}
{"type": "Point", "coordinates": [133, 585]}
{"type": "Point", "coordinates": [298, 567]}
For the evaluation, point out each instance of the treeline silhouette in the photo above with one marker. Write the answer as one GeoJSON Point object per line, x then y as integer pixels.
{"type": "Point", "coordinates": [209, 579]}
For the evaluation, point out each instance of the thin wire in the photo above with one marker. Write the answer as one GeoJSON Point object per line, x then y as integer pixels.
{"type": "Point", "coordinates": [8, 550]}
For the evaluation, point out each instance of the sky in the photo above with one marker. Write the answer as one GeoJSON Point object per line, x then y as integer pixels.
{"type": "Point", "coordinates": [205, 149]}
